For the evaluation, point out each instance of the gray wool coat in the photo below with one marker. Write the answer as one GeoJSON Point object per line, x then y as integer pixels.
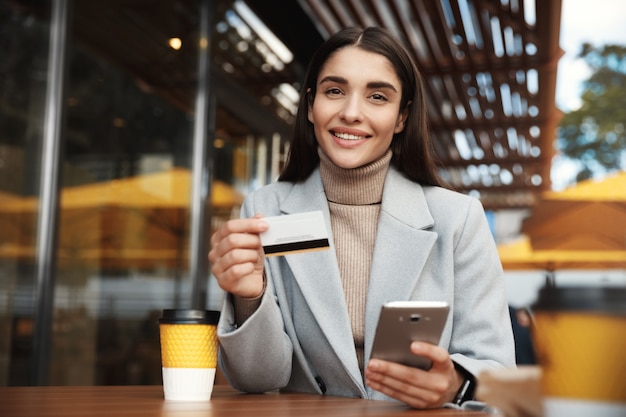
{"type": "Point", "coordinates": [432, 244]}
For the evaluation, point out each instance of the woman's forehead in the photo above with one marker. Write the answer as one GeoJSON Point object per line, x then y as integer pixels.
{"type": "Point", "coordinates": [356, 64]}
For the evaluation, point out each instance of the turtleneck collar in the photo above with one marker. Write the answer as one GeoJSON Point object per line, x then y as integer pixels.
{"type": "Point", "coordinates": [356, 186]}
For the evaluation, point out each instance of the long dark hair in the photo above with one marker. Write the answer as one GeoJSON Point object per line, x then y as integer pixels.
{"type": "Point", "coordinates": [413, 154]}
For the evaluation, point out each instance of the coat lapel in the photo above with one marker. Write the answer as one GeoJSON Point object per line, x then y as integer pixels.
{"type": "Point", "coordinates": [402, 247]}
{"type": "Point", "coordinates": [317, 275]}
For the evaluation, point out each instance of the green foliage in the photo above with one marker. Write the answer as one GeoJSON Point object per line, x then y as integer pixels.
{"type": "Point", "coordinates": [595, 134]}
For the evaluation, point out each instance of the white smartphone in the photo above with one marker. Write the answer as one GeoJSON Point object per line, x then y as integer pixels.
{"type": "Point", "coordinates": [402, 322]}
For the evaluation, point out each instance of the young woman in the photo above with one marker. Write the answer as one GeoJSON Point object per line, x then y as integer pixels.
{"type": "Point", "coordinates": [361, 153]}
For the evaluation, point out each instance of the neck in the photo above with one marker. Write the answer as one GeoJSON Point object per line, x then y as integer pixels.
{"type": "Point", "coordinates": [356, 186]}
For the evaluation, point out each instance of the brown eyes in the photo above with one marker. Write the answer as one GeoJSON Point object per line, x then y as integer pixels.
{"type": "Point", "coordinates": [336, 91]}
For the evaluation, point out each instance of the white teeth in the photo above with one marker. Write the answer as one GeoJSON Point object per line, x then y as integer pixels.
{"type": "Point", "coordinates": [347, 136]}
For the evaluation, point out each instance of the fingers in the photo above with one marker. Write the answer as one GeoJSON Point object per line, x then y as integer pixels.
{"type": "Point", "coordinates": [236, 256]}
{"type": "Point", "coordinates": [254, 225]}
{"type": "Point", "coordinates": [229, 244]}
{"type": "Point", "coordinates": [400, 382]}
{"type": "Point", "coordinates": [439, 356]}
{"type": "Point", "coordinates": [415, 387]}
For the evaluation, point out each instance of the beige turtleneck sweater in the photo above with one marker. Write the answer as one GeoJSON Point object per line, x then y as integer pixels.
{"type": "Point", "coordinates": [354, 198]}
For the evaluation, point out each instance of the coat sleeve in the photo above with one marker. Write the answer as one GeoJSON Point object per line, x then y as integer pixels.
{"type": "Point", "coordinates": [482, 336]}
{"type": "Point", "coordinates": [256, 356]}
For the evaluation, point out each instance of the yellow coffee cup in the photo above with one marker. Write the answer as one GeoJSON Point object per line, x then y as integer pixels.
{"type": "Point", "coordinates": [579, 335]}
{"type": "Point", "coordinates": [189, 349]}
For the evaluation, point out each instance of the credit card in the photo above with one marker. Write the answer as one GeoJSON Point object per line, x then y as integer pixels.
{"type": "Point", "coordinates": [294, 233]}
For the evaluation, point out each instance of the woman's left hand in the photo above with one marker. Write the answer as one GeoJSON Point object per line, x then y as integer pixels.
{"type": "Point", "coordinates": [416, 387]}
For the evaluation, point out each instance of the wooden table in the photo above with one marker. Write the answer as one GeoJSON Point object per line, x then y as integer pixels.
{"type": "Point", "coordinates": [140, 401]}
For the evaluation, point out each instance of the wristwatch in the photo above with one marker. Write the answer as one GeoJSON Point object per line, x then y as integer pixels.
{"type": "Point", "coordinates": [466, 391]}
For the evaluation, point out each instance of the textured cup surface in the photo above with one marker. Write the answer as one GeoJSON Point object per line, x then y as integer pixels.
{"type": "Point", "coordinates": [188, 345]}
{"type": "Point", "coordinates": [580, 339]}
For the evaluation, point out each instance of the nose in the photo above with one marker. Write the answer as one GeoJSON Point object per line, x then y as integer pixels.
{"type": "Point", "coordinates": [351, 111]}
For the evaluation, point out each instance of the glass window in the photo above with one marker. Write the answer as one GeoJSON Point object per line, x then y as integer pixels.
{"type": "Point", "coordinates": [123, 239]}
{"type": "Point", "coordinates": [124, 222]}
{"type": "Point", "coordinates": [24, 38]}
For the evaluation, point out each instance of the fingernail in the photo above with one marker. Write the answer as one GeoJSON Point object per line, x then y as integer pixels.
{"type": "Point", "coordinates": [416, 346]}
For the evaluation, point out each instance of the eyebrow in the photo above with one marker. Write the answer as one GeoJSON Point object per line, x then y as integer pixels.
{"type": "Point", "coordinates": [372, 84]}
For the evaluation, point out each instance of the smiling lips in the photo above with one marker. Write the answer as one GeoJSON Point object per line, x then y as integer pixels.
{"type": "Point", "coordinates": [349, 136]}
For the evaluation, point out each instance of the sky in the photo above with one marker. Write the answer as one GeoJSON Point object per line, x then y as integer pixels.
{"type": "Point", "coordinates": [598, 22]}
{"type": "Point", "coordinates": [595, 21]}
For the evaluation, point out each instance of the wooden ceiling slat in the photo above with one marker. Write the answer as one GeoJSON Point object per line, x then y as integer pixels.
{"type": "Point", "coordinates": [364, 15]}
{"type": "Point", "coordinates": [377, 18]}
{"type": "Point", "coordinates": [345, 16]}
{"type": "Point", "coordinates": [479, 95]}
{"type": "Point", "coordinates": [433, 109]}
{"type": "Point", "coordinates": [464, 96]}
{"type": "Point", "coordinates": [392, 19]}
{"type": "Point", "coordinates": [485, 57]}
{"type": "Point", "coordinates": [445, 147]}
{"type": "Point", "coordinates": [471, 50]}
{"type": "Point", "coordinates": [382, 9]}
{"type": "Point", "coordinates": [424, 14]}
{"type": "Point", "coordinates": [486, 143]}
{"type": "Point", "coordinates": [434, 86]}
{"type": "Point", "coordinates": [457, 98]}
{"type": "Point", "coordinates": [411, 31]}
{"type": "Point", "coordinates": [323, 16]}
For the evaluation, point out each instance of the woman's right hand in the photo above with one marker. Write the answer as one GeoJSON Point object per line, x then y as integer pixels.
{"type": "Point", "coordinates": [237, 256]}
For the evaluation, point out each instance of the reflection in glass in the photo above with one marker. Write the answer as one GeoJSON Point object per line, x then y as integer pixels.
{"type": "Point", "coordinates": [124, 205]}
{"type": "Point", "coordinates": [24, 33]}
{"type": "Point", "coordinates": [124, 224]}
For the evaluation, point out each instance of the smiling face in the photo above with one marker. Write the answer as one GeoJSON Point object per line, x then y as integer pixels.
{"type": "Point", "coordinates": [356, 109]}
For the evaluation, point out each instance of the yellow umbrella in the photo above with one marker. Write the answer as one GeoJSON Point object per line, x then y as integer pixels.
{"type": "Point", "coordinates": [9, 199]}
{"type": "Point", "coordinates": [14, 251]}
{"type": "Point", "coordinates": [135, 221]}
{"type": "Point", "coordinates": [164, 189]}
{"type": "Point", "coordinates": [142, 220]}
{"type": "Point", "coordinates": [611, 188]}
{"type": "Point", "coordinates": [17, 227]}
{"type": "Point", "coordinates": [519, 255]}
{"type": "Point", "coordinates": [588, 216]}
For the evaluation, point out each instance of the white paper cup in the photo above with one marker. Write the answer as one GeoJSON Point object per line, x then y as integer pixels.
{"type": "Point", "coordinates": [188, 354]}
